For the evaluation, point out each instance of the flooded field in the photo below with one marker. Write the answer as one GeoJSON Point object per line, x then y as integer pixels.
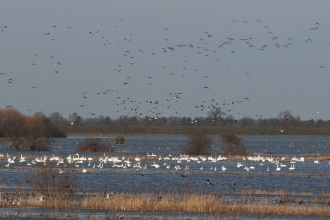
{"type": "Point", "coordinates": [154, 165]}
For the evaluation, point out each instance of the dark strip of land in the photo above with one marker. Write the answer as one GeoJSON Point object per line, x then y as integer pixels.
{"type": "Point", "coordinates": [182, 130]}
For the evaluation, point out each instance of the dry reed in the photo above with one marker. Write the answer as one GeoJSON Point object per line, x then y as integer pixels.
{"type": "Point", "coordinates": [188, 201]}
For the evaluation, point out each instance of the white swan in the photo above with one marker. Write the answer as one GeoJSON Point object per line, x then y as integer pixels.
{"type": "Point", "coordinates": [278, 168]}
{"type": "Point", "coordinates": [292, 167]}
{"type": "Point", "coordinates": [155, 165]}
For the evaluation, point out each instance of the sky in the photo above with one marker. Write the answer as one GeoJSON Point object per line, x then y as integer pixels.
{"type": "Point", "coordinates": [166, 58]}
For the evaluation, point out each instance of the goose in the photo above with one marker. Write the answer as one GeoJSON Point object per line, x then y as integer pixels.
{"type": "Point", "coordinates": [223, 168]}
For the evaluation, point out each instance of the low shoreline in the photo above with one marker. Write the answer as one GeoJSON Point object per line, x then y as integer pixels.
{"type": "Point", "coordinates": [183, 130]}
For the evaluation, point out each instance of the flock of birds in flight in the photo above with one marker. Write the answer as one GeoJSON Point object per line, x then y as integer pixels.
{"type": "Point", "coordinates": [175, 102]}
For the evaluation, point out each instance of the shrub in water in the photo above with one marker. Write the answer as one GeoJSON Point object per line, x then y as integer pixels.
{"type": "Point", "coordinates": [233, 145]}
{"type": "Point", "coordinates": [119, 139]}
{"type": "Point", "coordinates": [95, 145]}
{"type": "Point", "coordinates": [198, 142]}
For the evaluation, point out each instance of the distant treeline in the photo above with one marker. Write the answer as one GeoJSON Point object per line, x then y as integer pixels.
{"type": "Point", "coordinates": [33, 132]}
{"type": "Point", "coordinates": [214, 118]}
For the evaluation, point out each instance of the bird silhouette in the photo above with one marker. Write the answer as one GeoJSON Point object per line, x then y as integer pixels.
{"type": "Point", "coordinates": [208, 181]}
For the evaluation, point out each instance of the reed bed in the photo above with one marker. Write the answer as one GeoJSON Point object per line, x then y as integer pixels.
{"type": "Point", "coordinates": [189, 202]}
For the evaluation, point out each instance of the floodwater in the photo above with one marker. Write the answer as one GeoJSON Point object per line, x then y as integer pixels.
{"type": "Point", "coordinates": [146, 176]}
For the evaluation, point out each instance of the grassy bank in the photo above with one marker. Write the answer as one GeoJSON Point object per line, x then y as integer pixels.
{"type": "Point", "coordinates": [159, 130]}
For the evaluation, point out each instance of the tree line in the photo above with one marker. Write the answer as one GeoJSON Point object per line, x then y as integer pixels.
{"type": "Point", "coordinates": [214, 117]}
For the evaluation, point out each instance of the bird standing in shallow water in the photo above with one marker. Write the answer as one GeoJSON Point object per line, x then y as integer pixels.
{"type": "Point", "coordinates": [208, 181]}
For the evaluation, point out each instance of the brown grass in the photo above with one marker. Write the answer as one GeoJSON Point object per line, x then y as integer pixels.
{"type": "Point", "coordinates": [317, 156]}
{"type": "Point", "coordinates": [177, 202]}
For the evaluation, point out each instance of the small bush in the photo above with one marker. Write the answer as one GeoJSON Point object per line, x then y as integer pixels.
{"type": "Point", "coordinates": [47, 182]}
{"type": "Point", "coordinates": [94, 145]}
{"type": "Point", "coordinates": [233, 145]}
{"type": "Point", "coordinates": [119, 139]}
{"type": "Point", "coordinates": [40, 144]}
{"type": "Point", "coordinates": [199, 142]}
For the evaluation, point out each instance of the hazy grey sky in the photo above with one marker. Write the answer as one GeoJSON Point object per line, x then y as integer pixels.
{"type": "Point", "coordinates": [166, 58]}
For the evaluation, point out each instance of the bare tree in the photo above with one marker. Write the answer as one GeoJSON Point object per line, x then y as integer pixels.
{"type": "Point", "coordinates": [288, 120]}
{"type": "Point", "coordinates": [73, 116]}
{"type": "Point", "coordinates": [56, 117]}
{"type": "Point", "coordinates": [215, 114]}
